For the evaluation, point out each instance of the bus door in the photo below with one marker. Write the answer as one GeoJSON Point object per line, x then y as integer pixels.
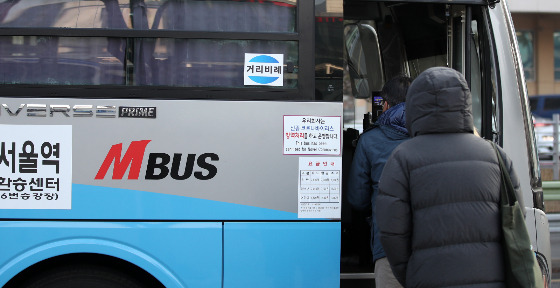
{"type": "Point", "coordinates": [474, 37]}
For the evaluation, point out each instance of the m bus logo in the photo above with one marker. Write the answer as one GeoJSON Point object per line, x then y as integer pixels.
{"type": "Point", "coordinates": [158, 164]}
{"type": "Point", "coordinates": [264, 69]}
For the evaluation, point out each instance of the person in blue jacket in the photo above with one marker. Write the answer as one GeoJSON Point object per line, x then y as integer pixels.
{"type": "Point", "coordinates": [373, 149]}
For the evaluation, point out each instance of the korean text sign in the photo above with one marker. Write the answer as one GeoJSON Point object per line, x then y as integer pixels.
{"type": "Point", "coordinates": [319, 187]}
{"type": "Point", "coordinates": [312, 135]}
{"type": "Point", "coordinates": [35, 167]}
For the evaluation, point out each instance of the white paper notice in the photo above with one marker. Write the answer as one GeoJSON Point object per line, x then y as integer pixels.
{"type": "Point", "coordinates": [36, 167]}
{"type": "Point", "coordinates": [319, 186]}
{"type": "Point", "coordinates": [312, 135]}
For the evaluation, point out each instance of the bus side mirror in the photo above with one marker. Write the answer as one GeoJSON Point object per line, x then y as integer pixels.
{"type": "Point", "coordinates": [364, 60]}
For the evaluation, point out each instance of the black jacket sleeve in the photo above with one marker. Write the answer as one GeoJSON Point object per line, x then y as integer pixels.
{"type": "Point", "coordinates": [359, 181]}
{"type": "Point", "coordinates": [394, 215]}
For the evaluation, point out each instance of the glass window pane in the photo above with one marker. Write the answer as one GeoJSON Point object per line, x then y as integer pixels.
{"type": "Point", "coordinates": [476, 75]}
{"type": "Point", "coordinates": [211, 63]}
{"type": "Point", "coordinates": [329, 30]}
{"type": "Point", "coordinates": [249, 16]}
{"type": "Point", "coordinates": [557, 56]}
{"type": "Point", "coordinates": [526, 49]}
{"type": "Point", "coordinates": [533, 103]}
{"type": "Point", "coordinates": [188, 15]}
{"type": "Point", "coordinates": [551, 103]}
{"type": "Point", "coordinates": [150, 62]}
{"type": "Point", "coordinates": [61, 61]}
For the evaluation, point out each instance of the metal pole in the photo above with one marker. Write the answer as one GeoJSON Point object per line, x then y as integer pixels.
{"type": "Point", "coordinates": [555, 122]}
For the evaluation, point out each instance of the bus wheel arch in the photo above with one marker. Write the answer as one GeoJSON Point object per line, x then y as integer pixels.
{"type": "Point", "coordinates": [82, 251]}
{"type": "Point", "coordinates": [84, 270]}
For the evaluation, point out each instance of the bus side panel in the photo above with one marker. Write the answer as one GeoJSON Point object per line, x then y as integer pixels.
{"type": "Point", "coordinates": [119, 203]}
{"type": "Point", "coordinates": [281, 254]}
{"type": "Point", "coordinates": [189, 254]}
{"type": "Point", "coordinates": [513, 121]}
{"type": "Point", "coordinates": [218, 164]}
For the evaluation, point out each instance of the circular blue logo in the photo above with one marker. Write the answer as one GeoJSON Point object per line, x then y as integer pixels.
{"type": "Point", "coordinates": [263, 79]}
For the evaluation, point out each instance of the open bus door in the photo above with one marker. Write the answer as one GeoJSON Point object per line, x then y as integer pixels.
{"type": "Point", "coordinates": [474, 37]}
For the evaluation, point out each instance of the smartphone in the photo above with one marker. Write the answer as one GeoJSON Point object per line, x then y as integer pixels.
{"type": "Point", "coordinates": [377, 108]}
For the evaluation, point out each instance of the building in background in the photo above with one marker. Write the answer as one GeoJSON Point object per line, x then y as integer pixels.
{"type": "Point", "coordinates": [537, 23]}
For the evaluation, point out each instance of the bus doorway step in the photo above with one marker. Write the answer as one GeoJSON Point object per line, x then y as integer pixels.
{"type": "Point", "coordinates": [357, 280]}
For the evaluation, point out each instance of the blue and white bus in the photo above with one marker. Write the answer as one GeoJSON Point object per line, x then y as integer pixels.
{"type": "Point", "coordinates": [169, 144]}
{"type": "Point", "coordinates": [204, 143]}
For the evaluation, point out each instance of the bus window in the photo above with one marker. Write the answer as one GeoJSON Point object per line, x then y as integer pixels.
{"type": "Point", "coordinates": [475, 75]}
{"type": "Point", "coordinates": [209, 16]}
{"type": "Point", "coordinates": [328, 53]}
{"type": "Point", "coordinates": [60, 60]}
{"type": "Point", "coordinates": [160, 62]}
{"type": "Point", "coordinates": [154, 43]}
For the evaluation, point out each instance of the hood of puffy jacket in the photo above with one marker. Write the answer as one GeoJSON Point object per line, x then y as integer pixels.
{"type": "Point", "coordinates": [439, 101]}
{"type": "Point", "coordinates": [395, 118]}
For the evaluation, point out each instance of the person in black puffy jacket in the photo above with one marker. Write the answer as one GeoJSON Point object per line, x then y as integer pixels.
{"type": "Point", "coordinates": [439, 193]}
